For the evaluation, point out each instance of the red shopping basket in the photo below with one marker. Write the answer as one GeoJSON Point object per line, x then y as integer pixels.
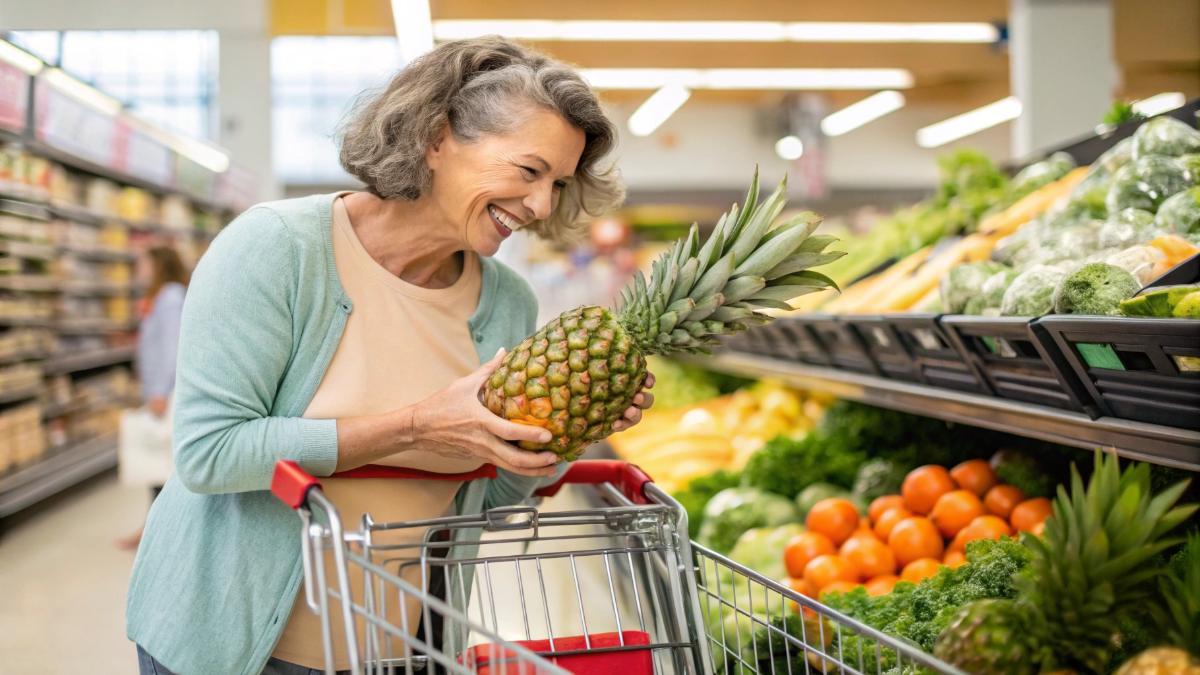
{"type": "Point", "coordinates": [627, 652]}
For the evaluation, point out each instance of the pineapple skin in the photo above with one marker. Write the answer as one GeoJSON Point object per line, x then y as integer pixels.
{"type": "Point", "coordinates": [986, 637]}
{"type": "Point", "coordinates": [1161, 661]}
{"type": "Point", "coordinates": [575, 376]}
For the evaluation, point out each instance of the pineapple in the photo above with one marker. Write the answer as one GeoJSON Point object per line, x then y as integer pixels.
{"type": "Point", "coordinates": [580, 372]}
{"type": "Point", "coordinates": [1178, 617]}
{"type": "Point", "coordinates": [1087, 573]}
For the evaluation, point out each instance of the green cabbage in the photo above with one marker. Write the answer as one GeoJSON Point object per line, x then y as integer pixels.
{"type": "Point", "coordinates": [761, 549]}
{"type": "Point", "coordinates": [734, 510]}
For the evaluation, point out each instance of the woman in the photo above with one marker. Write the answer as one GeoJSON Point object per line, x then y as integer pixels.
{"type": "Point", "coordinates": [344, 330]}
{"type": "Point", "coordinates": [164, 276]}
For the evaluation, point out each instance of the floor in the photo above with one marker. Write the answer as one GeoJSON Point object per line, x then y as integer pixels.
{"type": "Point", "coordinates": [62, 608]}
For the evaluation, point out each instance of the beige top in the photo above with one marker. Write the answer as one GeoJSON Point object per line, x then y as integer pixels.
{"type": "Point", "coordinates": [401, 344]}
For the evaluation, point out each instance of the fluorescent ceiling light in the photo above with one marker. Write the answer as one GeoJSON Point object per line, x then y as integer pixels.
{"type": "Point", "coordinates": [414, 27]}
{"type": "Point", "coordinates": [20, 59]}
{"type": "Point", "coordinates": [960, 126]}
{"type": "Point", "coordinates": [210, 157]}
{"type": "Point", "coordinates": [657, 109]}
{"type": "Point", "coordinates": [749, 78]}
{"type": "Point", "coordinates": [715, 31]}
{"type": "Point", "coordinates": [857, 114]}
{"type": "Point", "coordinates": [789, 148]}
{"type": "Point", "coordinates": [81, 91]}
{"type": "Point", "coordinates": [1159, 103]}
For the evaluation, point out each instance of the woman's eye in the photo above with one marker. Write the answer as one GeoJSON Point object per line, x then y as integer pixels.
{"type": "Point", "coordinates": [529, 172]}
{"type": "Point", "coordinates": [560, 184]}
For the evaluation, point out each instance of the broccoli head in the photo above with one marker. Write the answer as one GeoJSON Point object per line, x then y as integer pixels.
{"type": "Point", "coordinates": [1165, 136]}
{"type": "Point", "coordinates": [1146, 183]}
{"type": "Point", "coordinates": [1096, 288]}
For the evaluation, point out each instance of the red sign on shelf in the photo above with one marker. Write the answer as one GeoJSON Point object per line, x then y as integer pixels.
{"type": "Point", "coordinates": [14, 97]}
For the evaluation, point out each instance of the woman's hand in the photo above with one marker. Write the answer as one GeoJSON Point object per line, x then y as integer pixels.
{"type": "Point", "coordinates": [454, 422]}
{"type": "Point", "coordinates": [157, 406]}
{"type": "Point", "coordinates": [641, 401]}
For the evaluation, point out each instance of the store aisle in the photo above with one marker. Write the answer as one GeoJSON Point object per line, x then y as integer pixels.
{"type": "Point", "coordinates": [63, 583]}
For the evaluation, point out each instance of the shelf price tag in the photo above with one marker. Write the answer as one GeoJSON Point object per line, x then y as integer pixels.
{"type": "Point", "coordinates": [72, 125]}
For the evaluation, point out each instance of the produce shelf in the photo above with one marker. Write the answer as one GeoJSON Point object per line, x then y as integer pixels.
{"type": "Point", "coordinates": [1155, 443]}
{"type": "Point", "coordinates": [57, 470]}
{"type": "Point", "coordinates": [19, 394]}
{"type": "Point", "coordinates": [88, 360]}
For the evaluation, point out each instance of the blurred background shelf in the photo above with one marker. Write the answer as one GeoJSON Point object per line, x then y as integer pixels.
{"type": "Point", "coordinates": [57, 470]}
{"type": "Point", "coordinates": [1169, 446]}
{"type": "Point", "coordinates": [88, 360]}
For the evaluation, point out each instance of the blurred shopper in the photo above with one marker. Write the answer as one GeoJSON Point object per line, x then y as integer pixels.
{"type": "Point", "coordinates": [349, 329]}
{"type": "Point", "coordinates": [146, 433]}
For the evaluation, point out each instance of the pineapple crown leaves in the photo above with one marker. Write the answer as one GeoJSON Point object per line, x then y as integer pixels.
{"type": "Point", "coordinates": [1090, 566]}
{"type": "Point", "coordinates": [1178, 613]}
{"type": "Point", "coordinates": [699, 291]}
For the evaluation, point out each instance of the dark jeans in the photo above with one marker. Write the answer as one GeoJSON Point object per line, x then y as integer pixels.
{"type": "Point", "coordinates": [148, 666]}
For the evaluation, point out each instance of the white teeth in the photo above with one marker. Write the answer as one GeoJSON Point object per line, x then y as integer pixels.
{"type": "Point", "coordinates": [504, 219]}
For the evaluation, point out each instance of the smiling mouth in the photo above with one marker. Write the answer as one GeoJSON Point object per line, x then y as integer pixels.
{"type": "Point", "coordinates": [504, 221]}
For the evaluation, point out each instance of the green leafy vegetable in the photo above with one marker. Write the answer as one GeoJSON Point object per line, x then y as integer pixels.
{"type": "Point", "coordinates": [1096, 288]}
{"type": "Point", "coordinates": [699, 491]}
{"type": "Point", "coordinates": [734, 510]}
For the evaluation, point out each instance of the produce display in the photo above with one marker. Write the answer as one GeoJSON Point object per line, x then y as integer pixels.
{"type": "Point", "coordinates": [580, 372]}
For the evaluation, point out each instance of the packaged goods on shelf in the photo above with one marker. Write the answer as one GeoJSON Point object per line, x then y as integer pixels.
{"type": "Point", "coordinates": [22, 439]}
{"type": "Point", "coordinates": [24, 341]}
{"type": "Point", "coordinates": [24, 229]}
{"type": "Point", "coordinates": [100, 195]}
{"type": "Point", "coordinates": [23, 174]}
{"type": "Point", "coordinates": [18, 376]}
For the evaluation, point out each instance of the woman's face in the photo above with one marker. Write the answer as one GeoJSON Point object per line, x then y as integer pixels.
{"type": "Point", "coordinates": [143, 270]}
{"type": "Point", "coordinates": [496, 184]}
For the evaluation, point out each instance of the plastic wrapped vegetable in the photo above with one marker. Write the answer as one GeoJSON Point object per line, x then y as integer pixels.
{"type": "Point", "coordinates": [963, 283]}
{"type": "Point", "coordinates": [1140, 261]}
{"type": "Point", "coordinates": [1180, 213]}
{"type": "Point", "coordinates": [1031, 293]}
{"type": "Point", "coordinates": [1070, 243]}
{"type": "Point", "coordinates": [734, 510]}
{"type": "Point", "coordinates": [1041, 173]}
{"type": "Point", "coordinates": [1097, 288]}
{"type": "Point", "coordinates": [1115, 157]}
{"type": "Point", "coordinates": [991, 293]}
{"type": "Point", "coordinates": [1017, 247]}
{"type": "Point", "coordinates": [1146, 183]}
{"type": "Point", "coordinates": [1126, 228]}
{"type": "Point", "coordinates": [1165, 136]}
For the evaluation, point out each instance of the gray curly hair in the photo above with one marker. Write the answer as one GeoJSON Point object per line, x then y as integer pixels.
{"type": "Point", "coordinates": [479, 86]}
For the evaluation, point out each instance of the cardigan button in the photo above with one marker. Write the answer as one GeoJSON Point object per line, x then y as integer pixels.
{"type": "Point", "coordinates": [479, 337]}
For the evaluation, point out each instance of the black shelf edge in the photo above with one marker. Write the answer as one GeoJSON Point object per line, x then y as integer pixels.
{"type": "Point", "coordinates": [93, 289]}
{"type": "Point", "coordinates": [88, 360]}
{"type": "Point", "coordinates": [99, 254]}
{"type": "Point", "coordinates": [57, 470]}
{"type": "Point", "coordinates": [1169, 446]}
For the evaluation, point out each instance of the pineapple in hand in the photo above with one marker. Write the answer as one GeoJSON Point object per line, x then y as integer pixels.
{"type": "Point", "coordinates": [578, 374]}
{"type": "Point", "coordinates": [1088, 572]}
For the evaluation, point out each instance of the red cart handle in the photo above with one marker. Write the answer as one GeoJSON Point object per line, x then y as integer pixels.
{"type": "Point", "coordinates": [291, 484]}
{"type": "Point", "coordinates": [626, 477]}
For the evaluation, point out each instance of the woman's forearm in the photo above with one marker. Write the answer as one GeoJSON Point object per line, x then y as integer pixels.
{"type": "Point", "coordinates": [362, 440]}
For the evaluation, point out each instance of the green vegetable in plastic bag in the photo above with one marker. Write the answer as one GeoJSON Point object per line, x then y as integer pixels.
{"type": "Point", "coordinates": [963, 283]}
{"type": "Point", "coordinates": [734, 510]}
{"type": "Point", "coordinates": [991, 293]}
{"type": "Point", "coordinates": [1165, 136]}
{"type": "Point", "coordinates": [1031, 293]}
{"type": "Point", "coordinates": [1180, 213]}
{"type": "Point", "coordinates": [1146, 183]}
{"type": "Point", "coordinates": [1097, 288]}
{"type": "Point", "coordinates": [1139, 261]}
{"type": "Point", "coordinates": [1126, 228]}
{"type": "Point", "coordinates": [1041, 173]}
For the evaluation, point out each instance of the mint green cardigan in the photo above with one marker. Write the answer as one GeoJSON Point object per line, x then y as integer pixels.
{"type": "Point", "coordinates": [219, 565]}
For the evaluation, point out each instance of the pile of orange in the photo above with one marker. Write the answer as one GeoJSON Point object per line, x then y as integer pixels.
{"type": "Point", "coordinates": [909, 536]}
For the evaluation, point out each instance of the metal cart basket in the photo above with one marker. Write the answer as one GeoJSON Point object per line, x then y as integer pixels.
{"type": "Point", "coordinates": [610, 588]}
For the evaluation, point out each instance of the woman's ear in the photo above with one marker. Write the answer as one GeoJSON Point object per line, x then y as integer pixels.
{"type": "Point", "coordinates": [437, 149]}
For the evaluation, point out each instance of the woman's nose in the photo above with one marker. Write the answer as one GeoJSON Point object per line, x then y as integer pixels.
{"type": "Point", "coordinates": [540, 200]}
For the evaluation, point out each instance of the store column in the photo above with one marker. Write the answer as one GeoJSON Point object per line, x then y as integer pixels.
{"type": "Point", "coordinates": [1062, 69]}
{"type": "Point", "coordinates": [244, 101]}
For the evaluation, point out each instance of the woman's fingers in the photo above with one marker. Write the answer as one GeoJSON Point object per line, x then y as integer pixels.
{"type": "Point", "coordinates": [644, 400]}
{"type": "Point", "coordinates": [523, 461]}
{"type": "Point", "coordinates": [511, 431]}
{"type": "Point", "coordinates": [649, 383]}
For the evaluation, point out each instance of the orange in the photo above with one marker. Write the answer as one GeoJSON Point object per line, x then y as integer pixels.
{"type": "Point", "coordinates": [955, 510]}
{"type": "Point", "coordinates": [975, 475]}
{"type": "Point", "coordinates": [914, 538]}
{"type": "Point", "coordinates": [983, 527]}
{"type": "Point", "coordinates": [881, 504]}
{"type": "Point", "coordinates": [803, 588]}
{"type": "Point", "coordinates": [1039, 529]}
{"type": "Point", "coordinates": [923, 485]}
{"type": "Point", "coordinates": [888, 520]}
{"type": "Point", "coordinates": [870, 557]}
{"type": "Point", "coordinates": [1002, 499]}
{"type": "Point", "coordinates": [839, 587]}
{"type": "Point", "coordinates": [954, 559]}
{"type": "Point", "coordinates": [882, 584]}
{"type": "Point", "coordinates": [1026, 515]}
{"type": "Point", "coordinates": [835, 518]}
{"type": "Point", "coordinates": [804, 547]}
{"type": "Point", "coordinates": [826, 569]}
{"type": "Point", "coordinates": [921, 568]}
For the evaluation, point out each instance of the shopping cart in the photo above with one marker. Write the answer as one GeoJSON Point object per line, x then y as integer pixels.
{"type": "Point", "coordinates": [613, 586]}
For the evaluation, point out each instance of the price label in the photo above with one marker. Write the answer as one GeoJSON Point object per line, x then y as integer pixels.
{"type": "Point", "coordinates": [74, 126]}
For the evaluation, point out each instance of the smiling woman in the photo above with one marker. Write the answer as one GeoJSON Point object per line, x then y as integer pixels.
{"type": "Point", "coordinates": [349, 329]}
